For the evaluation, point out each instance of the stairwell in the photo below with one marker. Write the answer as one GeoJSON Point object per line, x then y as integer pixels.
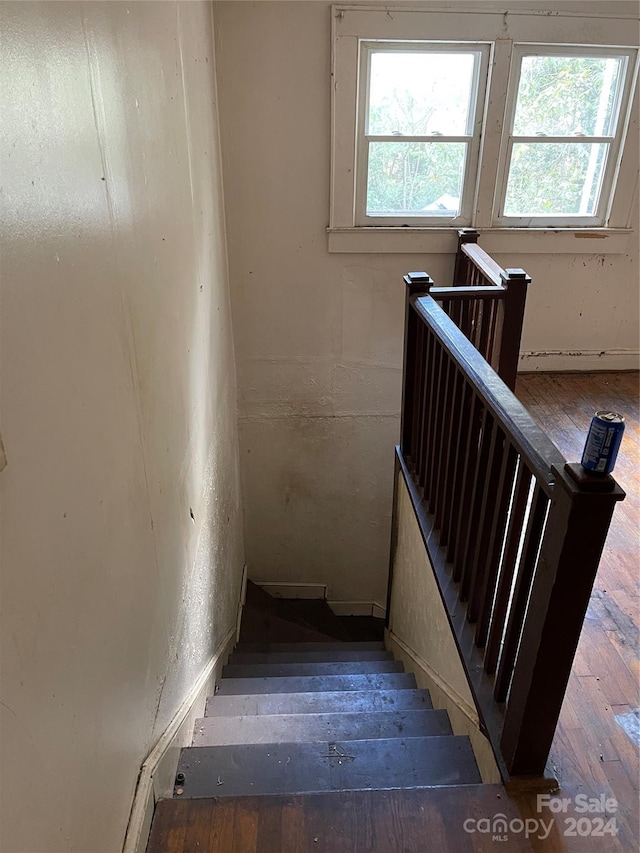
{"type": "Point", "coordinates": [297, 721]}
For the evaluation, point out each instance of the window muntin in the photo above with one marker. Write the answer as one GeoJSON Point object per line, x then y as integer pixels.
{"type": "Point", "coordinates": [565, 113]}
{"type": "Point", "coordinates": [419, 121]}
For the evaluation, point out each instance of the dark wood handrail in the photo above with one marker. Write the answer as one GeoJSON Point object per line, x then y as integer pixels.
{"type": "Point", "coordinates": [486, 302]}
{"type": "Point", "coordinates": [489, 268]}
{"type": "Point", "coordinates": [514, 532]}
{"type": "Point", "coordinates": [525, 434]}
{"type": "Point", "coordinates": [468, 292]}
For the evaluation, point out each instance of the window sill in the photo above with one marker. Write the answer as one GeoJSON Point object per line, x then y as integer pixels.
{"type": "Point", "coordinates": [524, 241]}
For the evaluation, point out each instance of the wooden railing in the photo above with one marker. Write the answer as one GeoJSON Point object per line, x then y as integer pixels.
{"type": "Point", "coordinates": [486, 303]}
{"type": "Point", "coordinates": [513, 531]}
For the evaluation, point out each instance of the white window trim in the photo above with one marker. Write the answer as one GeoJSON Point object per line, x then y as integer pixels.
{"type": "Point", "coordinates": [350, 24]}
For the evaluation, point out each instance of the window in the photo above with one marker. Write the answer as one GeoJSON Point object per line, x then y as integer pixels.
{"type": "Point", "coordinates": [419, 122]}
{"type": "Point", "coordinates": [566, 106]}
{"type": "Point", "coordinates": [500, 121]}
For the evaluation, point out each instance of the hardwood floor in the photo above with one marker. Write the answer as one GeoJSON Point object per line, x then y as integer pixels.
{"type": "Point", "coordinates": [345, 822]}
{"type": "Point", "coordinates": [592, 755]}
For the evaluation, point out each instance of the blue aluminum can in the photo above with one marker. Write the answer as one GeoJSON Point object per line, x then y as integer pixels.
{"type": "Point", "coordinates": [603, 442]}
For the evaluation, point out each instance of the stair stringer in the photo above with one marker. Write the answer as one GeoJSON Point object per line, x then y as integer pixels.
{"type": "Point", "coordinates": [464, 717]}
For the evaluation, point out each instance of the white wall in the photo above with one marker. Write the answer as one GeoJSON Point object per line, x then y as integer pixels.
{"type": "Point", "coordinates": [319, 335]}
{"type": "Point", "coordinates": [420, 636]}
{"type": "Point", "coordinates": [118, 408]}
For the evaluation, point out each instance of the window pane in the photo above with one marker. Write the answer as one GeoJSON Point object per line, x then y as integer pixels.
{"type": "Point", "coordinates": [554, 178]}
{"type": "Point", "coordinates": [420, 94]}
{"type": "Point", "coordinates": [567, 96]}
{"type": "Point", "coordinates": [415, 178]}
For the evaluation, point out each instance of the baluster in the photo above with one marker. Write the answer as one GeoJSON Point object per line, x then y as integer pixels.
{"type": "Point", "coordinates": [439, 507]}
{"type": "Point", "coordinates": [442, 407]}
{"type": "Point", "coordinates": [485, 328]}
{"type": "Point", "coordinates": [462, 427]}
{"type": "Point", "coordinates": [418, 414]}
{"type": "Point", "coordinates": [475, 322]}
{"type": "Point", "coordinates": [493, 347]}
{"type": "Point", "coordinates": [509, 563]}
{"type": "Point", "coordinates": [417, 396]}
{"type": "Point", "coordinates": [488, 511]}
{"type": "Point", "coordinates": [496, 541]}
{"type": "Point", "coordinates": [425, 404]}
{"type": "Point", "coordinates": [521, 590]}
{"type": "Point", "coordinates": [466, 484]}
{"type": "Point", "coordinates": [473, 518]}
{"type": "Point", "coordinates": [466, 318]}
{"type": "Point", "coordinates": [451, 454]}
{"type": "Point", "coordinates": [432, 449]}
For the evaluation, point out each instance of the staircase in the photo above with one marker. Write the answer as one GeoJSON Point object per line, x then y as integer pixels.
{"type": "Point", "coordinates": [304, 717]}
{"type": "Point", "coordinates": [306, 720]}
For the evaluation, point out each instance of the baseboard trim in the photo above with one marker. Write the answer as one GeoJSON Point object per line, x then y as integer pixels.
{"type": "Point", "coordinates": [357, 608]}
{"type": "Point", "coordinates": [293, 590]}
{"type": "Point", "coordinates": [468, 710]}
{"type": "Point", "coordinates": [159, 768]}
{"type": "Point", "coordinates": [558, 361]}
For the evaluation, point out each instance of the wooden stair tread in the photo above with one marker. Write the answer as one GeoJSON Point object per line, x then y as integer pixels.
{"type": "Point", "coordinates": [265, 670]}
{"type": "Point", "coordinates": [317, 683]}
{"type": "Point", "coordinates": [355, 821]}
{"type": "Point", "coordinates": [291, 768]}
{"type": "Point", "coordinates": [299, 728]}
{"type": "Point", "coordinates": [315, 703]}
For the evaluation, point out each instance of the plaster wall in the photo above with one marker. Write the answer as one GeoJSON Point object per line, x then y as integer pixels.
{"type": "Point", "coordinates": [319, 335]}
{"type": "Point", "coordinates": [122, 547]}
{"type": "Point", "coordinates": [420, 636]}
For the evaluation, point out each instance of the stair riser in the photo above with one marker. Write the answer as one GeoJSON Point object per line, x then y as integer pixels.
{"type": "Point", "coordinates": [317, 703]}
{"type": "Point", "coordinates": [340, 656]}
{"type": "Point", "coordinates": [343, 766]}
{"type": "Point", "coordinates": [329, 646]}
{"type": "Point", "coordinates": [308, 728]}
{"type": "Point", "coordinates": [279, 670]}
{"type": "Point", "coordinates": [316, 684]}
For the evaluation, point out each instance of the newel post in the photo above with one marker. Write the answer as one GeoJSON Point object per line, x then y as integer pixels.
{"type": "Point", "coordinates": [461, 267]}
{"type": "Point", "coordinates": [579, 517]}
{"type": "Point", "coordinates": [516, 282]}
{"type": "Point", "coordinates": [418, 284]}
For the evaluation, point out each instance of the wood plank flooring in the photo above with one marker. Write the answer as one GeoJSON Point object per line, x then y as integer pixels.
{"type": "Point", "coordinates": [363, 821]}
{"type": "Point", "coordinates": [591, 755]}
